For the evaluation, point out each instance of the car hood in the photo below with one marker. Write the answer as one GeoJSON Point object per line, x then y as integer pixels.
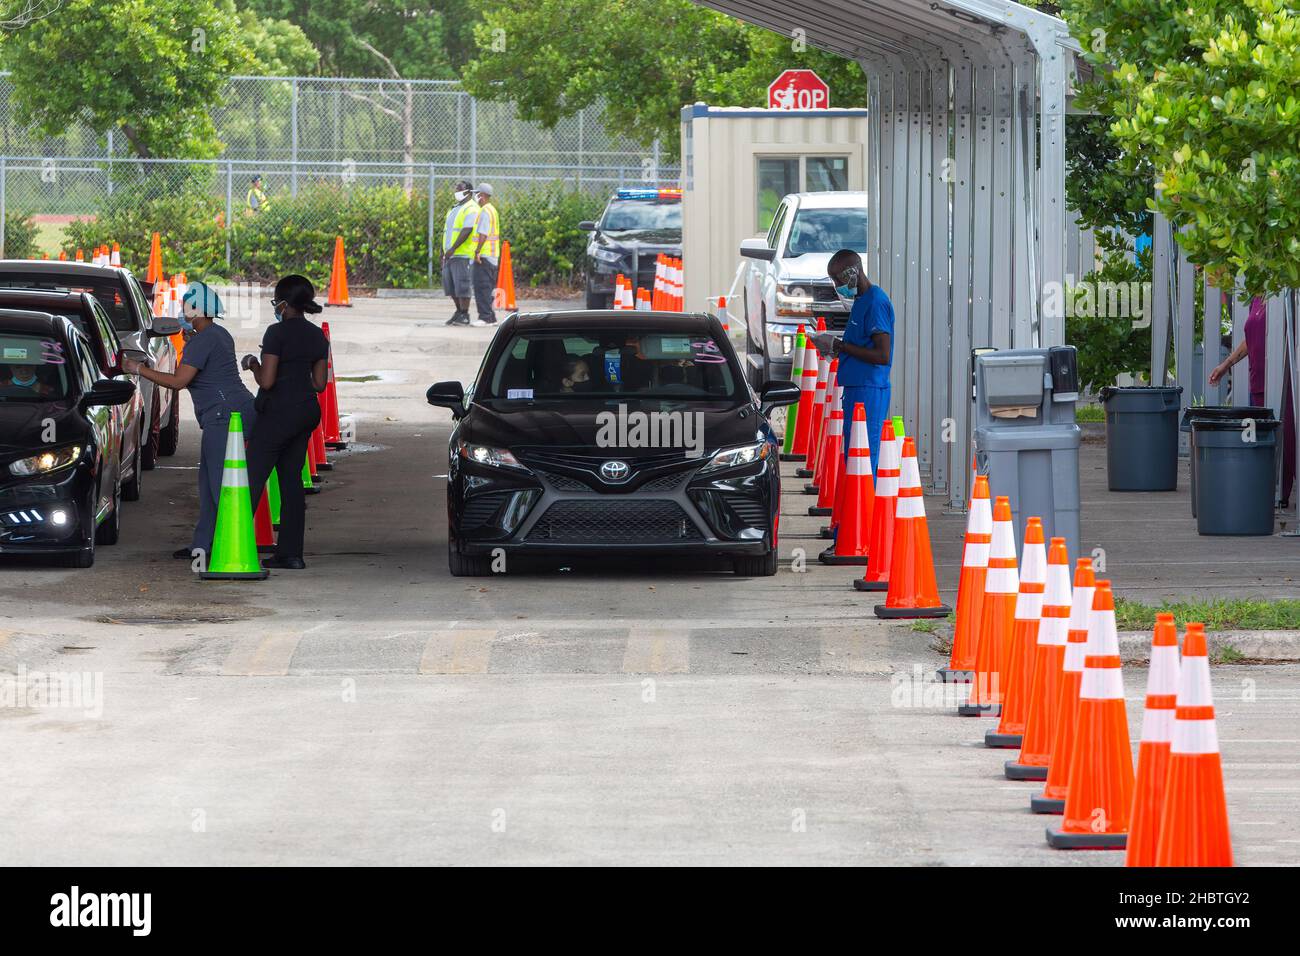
{"type": "Point", "coordinates": [23, 425]}
{"type": "Point", "coordinates": [549, 426]}
{"type": "Point", "coordinates": [808, 267]}
{"type": "Point", "coordinates": [655, 239]}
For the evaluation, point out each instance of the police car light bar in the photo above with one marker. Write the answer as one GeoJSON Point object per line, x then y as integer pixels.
{"type": "Point", "coordinates": [648, 193]}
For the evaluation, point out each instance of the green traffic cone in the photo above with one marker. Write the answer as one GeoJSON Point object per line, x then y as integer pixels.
{"type": "Point", "coordinates": [792, 411]}
{"type": "Point", "coordinates": [308, 486]}
{"type": "Point", "coordinates": [898, 428]}
{"type": "Point", "coordinates": [273, 496]}
{"type": "Point", "coordinates": [234, 546]}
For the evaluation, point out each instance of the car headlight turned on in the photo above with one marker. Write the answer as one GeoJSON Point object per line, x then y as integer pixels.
{"type": "Point", "coordinates": [793, 300]}
{"type": "Point", "coordinates": [46, 461]}
{"type": "Point", "coordinates": [780, 340]}
{"type": "Point", "coordinates": [735, 457]}
{"type": "Point", "coordinates": [485, 455]}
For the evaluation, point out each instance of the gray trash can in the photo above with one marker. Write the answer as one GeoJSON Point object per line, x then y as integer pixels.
{"type": "Point", "coordinates": [1220, 413]}
{"type": "Point", "coordinates": [1235, 479]}
{"type": "Point", "coordinates": [1141, 437]}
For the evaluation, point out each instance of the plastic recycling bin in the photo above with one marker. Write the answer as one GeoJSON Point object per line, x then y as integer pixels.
{"type": "Point", "coordinates": [1236, 472]}
{"type": "Point", "coordinates": [1141, 437]}
{"type": "Point", "coordinates": [1221, 413]}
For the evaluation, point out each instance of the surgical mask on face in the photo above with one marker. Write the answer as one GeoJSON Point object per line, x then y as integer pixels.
{"type": "Point", "coordinates": [461, 195]}
{"type": "Point", "coordinates": [185, 323]}
{"type": "Point", "coordinates": [24, 382]}
{"type": "Point", "coordinates": [847, 287]}
{"type": "Point", "coordinates": [846, 291]}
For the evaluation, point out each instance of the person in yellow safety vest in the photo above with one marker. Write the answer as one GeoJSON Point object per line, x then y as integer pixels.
{"type": "Point", "coordinates": [458, 250]}
{"type": "Point", "coordinates": [487, 255]}
{"type": "Point", "coordinates": [257, 199]}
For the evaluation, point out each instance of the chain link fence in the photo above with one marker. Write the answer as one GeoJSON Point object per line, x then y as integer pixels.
{"type": "Point", "coordinates": [358, 158]}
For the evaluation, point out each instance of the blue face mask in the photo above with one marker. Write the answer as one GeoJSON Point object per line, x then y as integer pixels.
{"type": "Point", "coordinates": [848, 287]}
{"type": "Point", "coordinates": [185, 323]}
{"type": "Point", "coordinates": [24, 382]}
{"type": "Point", "coordinates": [846, 291]}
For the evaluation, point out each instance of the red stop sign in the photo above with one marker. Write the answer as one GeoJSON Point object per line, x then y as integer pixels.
{"type": "Point", "coordinates": [799, 90]}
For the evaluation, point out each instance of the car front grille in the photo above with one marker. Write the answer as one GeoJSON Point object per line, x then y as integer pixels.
{"type": "Point", "coordinates": [614, 522]}
{"type": "Point", "coordinates": [750, 511]}
{"type": "Point", "coordinates": [562, 482]}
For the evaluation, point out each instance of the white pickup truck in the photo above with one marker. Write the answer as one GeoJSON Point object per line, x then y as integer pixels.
{"type": "Point", "coordinates": [786, 284]}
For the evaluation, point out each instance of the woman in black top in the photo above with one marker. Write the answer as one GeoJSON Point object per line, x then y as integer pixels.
{"type": "Point", "coordinates": [291, 371]}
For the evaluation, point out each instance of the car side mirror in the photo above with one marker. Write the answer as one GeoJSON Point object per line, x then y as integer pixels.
{"type": "Point", "coordinates": [757, 249]}
{"type": "Point", "coordinates": [447, 395]}
{"type": "Point", "coordinates": [164, 325]}
{"type": "Point", "coordinates": [109, 391]}
{"type": "Point", "coordinates": [776, 392]}
{"type": "Point", "coordinates": [135, 355]}
{"type": "Point", "coordinates": [587, 225]}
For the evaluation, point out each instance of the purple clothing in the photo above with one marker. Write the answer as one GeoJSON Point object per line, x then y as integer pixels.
{"type": "Point", "coordinates": [1256, 333]}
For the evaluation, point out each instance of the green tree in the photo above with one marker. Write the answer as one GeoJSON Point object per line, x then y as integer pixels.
{"type": "Point", "coordinates": [643, 60]}
{"type": "Point", "coordinates": [151, 69]}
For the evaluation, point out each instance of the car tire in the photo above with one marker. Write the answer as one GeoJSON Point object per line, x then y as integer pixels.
{"type": "Point", "coordinates": [149, 436]}
{"type": "Point", "coordinates": [467, 565]}
{"type": "Point", "coordinates": [170, 436]}
{"type": "Point", "coordinates": [108, 532]}
{"type": "Point", "coordinates": [760, 566]}
{"type": "Point", "coordinates": [598, 300]}
{"type": "Point", "coordinates": [131, 489]}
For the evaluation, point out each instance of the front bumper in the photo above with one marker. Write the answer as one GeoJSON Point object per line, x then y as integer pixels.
{"type": "Point", "coordinates": [30, 510]}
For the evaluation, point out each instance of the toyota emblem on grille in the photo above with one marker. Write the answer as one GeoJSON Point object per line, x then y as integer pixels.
{"type": "Point", "coordinates": [615, 471]}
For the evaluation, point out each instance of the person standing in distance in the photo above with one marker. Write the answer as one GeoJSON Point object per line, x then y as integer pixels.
{"type": "Point", "coordinates": [256, 199]}
{"type": "Point", "coordinates": [458, 250]}
{"type": "Point", "coordinates": [292, 370]}
{"type": "Point", "coordinates": [866, 352]}
{"type": "Point", "coordinates": [487, 254]}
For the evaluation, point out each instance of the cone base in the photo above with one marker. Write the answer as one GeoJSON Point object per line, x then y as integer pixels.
{"type": "Point", "coordinates": [826, 532]}
{"type": "Point", "coordinates": [947, 675]}
{"type": "Point", "coordinates": [1002, 741]}
{"type": "Point", "coordinates": [862, 584]}
{"type": "Point", "coordinates": [893, 613]}
{"type": "Point", "coordinates": [788, 456]}
{"type": "Point", "coordinates": [811, 490]}
{"type": "Point", "coordinates": [982, 710]}
{"type": "Point", "coordinates": [338, 305]}
{"type": "Point", "coordinates": [1060, 840]}
{"type": "Point", "coordinates": [1024, 771]}
{"type": "Point", "coordinates": [818, 512]}
{"type": "Point", "coordinates": [324, 466]}
{"type": "Point", "coordinates": [830, 557]}
{"type": "Point", "coordinates": [311, 491]}
{"type": "Point", "coordinates": [234, 575]}
{"type": "Point", "coordinates": [1041, 804]}
{"type": "Point", "coordinates": [803, 472]}
{"type": "Point", "coordinates": [336, 445]}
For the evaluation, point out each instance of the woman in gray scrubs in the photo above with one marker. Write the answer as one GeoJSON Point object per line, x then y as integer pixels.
{"type": "Point", "coordinates": [208, 368]}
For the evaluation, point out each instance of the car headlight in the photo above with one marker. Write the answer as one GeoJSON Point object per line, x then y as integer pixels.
{"type": "Point", "coordinates": [485, 455]}
{"type": "Point", "coordinates": [46, 461]}
{"type": "Point", "coordinates": [780, 340]}
{"type": "Point", "coordinates": [733, 457]}
{"type": "Point", "coordinates": [606, 255]}
{"type": "Point", "coordinates": [793, 299]}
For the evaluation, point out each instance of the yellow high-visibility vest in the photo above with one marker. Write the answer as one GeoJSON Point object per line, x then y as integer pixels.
{"type": "Point", "coordinates": [466, 247]}
{"type": "Point", "coordinates": [491, 245]}
{"type": "Point", "coordinates": [261, 204]}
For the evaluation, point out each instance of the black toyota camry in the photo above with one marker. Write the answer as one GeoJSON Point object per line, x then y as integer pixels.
{"type": "Point", "coordinates": [612, 433]}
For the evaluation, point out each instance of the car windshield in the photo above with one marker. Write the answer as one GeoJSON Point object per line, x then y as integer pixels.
{"type": "Point", "coordinates": [684, 366]}
{"type": "Point", "coordinates": [641, 214]}
{"type": "Point", "coordinates": [109, 292]}
{"type": "Point", "coordinates": [32, 368]}
{"type": "Point", "coordinates": [827, 230]}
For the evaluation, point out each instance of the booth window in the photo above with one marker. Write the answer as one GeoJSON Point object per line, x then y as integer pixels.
{"type": "Point", "coordinates": [826, 174]}
{"type": "Point", "coordinates": [778, 176]}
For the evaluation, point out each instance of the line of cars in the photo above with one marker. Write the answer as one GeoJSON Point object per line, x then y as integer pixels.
{"type": "Point", "coordinates": [77, 433]}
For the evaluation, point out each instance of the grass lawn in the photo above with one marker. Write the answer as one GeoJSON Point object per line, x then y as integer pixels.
{"type": "Point", "coordinates": [1222, 614]}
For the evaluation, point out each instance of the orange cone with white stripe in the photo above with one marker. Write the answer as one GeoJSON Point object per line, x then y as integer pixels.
{"type": "Point", "coordinates": [832, 460]}
{"type": "Point", "coordinates": [1017, 666]}
{"type": "Point", "coordinates": [1194, 819]}
{"type": "Point", "coordinates": [970, 586]}
{"type": "Point", "coordinates": [913, 590]}
{"type": "Point", "coordinates": [816, 461]}
{"type": "Point", "coordinates": [855, 497]}
{"type": "Point", "coordinates": [1100, 795]}
{"type": "Point", "coordinates": [807, 390]}
{"type": "Point", "coordinates": [1045, 678]}
{"type": "Point", "coordinates": [818, 412]}
{"type": "Point", "coordinates": [997, 618]}
{"type": "Point", "coordinates": [880, 547]}
{"type": "Point", "coordinates": [1052, 799]}
{"type": "Point", "coordinates": [1153, 751]}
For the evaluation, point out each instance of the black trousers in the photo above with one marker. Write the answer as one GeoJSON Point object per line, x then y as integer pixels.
{"type": "Point", "coordinates": [280, 442]}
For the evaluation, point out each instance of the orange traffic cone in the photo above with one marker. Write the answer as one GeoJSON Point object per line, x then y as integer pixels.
{"type": "Point", "coordinates": [831, 460]}
{"type": "Point", "coordinates": [1044, 682]}
{"type": "Point", "coordinates": [1153, 752]}
{"type": "Point", "coordinates": [913, 591]}
{"type": "Point", "coordinates": [159, 297]}
{"type": "Point", "coordinates": [318, 445]}
{"type": "Point", "coordinates": [807, 389]}
{"type": "Point", "coordinates": [1066, 710]}
{"type": "Point", "coordinates": [262, 528]}
{"type": "Point", "coordinates": [154, 272]}
{"type": "Point", "coordinates": [855, 496]}
{"type": "Point", "coordinates": [115, 257]}
{"type": "Point", "coordinates": [311, 479]}
{"type": "Point", "coordinates": [815, 422]}
{"type": "Point", "coordinates": [1194, 819]}
{"type": "Point", "coordinates": [505, 289]}
{"type": "Point", "coordinates": [815, 460]}
{"type": "Point", "coordinates": [880, 546]}
{"type": "Point", "coordinates": [970, 587]}
{"type": "Point", "coordinates": [333, 435]}
{"type": "Point", "coordinates": [1100, 794]}
{"type": "Point", "coordinates": [997, 618]}
{"type": "Point", "coordinates": [1017, 667]}
{"type": "Point", "coordinates": [338, 290]}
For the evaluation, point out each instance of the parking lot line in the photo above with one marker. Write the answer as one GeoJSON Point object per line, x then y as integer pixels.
{"type": "Point", "coordinates": [657, 650]}
{"type": "Point", "coordinates": [267, 656]}
{"type": "Point", "coordinates": [463, 651]}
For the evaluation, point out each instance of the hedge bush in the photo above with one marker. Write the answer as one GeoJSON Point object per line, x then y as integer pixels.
{"type": "Point", "coordinates": [20, 236]}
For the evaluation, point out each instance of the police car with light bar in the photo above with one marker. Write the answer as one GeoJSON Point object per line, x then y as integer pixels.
{"type": "Point", "coordinates": [637, 225]}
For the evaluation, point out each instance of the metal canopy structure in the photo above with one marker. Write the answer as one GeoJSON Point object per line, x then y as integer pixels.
{"type": "Point", "coordinates": [966, 174]}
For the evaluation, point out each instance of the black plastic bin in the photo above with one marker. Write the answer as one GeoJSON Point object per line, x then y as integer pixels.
{"type": "Point", "coordinates": [1235, 477]}
{"type": "Point", "coordinates": [1220, 413]}
{"type": "Point", "coordinates": [1141, 437]}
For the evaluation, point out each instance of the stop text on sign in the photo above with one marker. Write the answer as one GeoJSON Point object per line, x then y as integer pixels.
{"type": "Point", "coordinates": [798, 90]}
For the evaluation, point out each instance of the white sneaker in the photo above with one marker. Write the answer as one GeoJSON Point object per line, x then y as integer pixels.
{"type": "Point", "coordinates": [479, 323]}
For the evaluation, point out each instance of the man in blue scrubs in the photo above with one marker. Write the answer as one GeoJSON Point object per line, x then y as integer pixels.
{"type": "Point", "coordinates": [866, 352]}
